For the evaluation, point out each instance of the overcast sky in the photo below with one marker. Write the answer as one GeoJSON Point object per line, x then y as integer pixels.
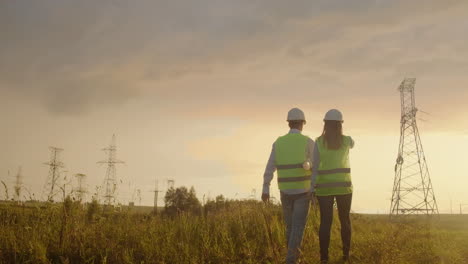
{"type": "Point", "coordinates": [199, 90]}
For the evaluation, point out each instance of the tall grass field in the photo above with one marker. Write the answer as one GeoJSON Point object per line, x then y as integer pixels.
{"type": "Point", "coordinates": [238, 232]}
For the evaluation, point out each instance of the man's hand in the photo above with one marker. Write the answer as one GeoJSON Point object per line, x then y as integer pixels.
{"type": "Point", "coordinates": [265, 197]}
{"type": "Point", "coordinates": [313, 198]}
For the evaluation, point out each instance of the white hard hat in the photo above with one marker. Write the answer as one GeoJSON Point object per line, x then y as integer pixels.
{"type": "Point", "coordinates": [334, 115]}
{"type": "Point", "coordinates": [296, 114]}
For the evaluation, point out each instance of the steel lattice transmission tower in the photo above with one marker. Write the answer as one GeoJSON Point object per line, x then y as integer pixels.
{"type": "Point", "coordinates": [52, 187]}
{"type": "Point", "coordinates": [80, 190]}
{"type": "Point", "coordinates": [110, 181]}
{"type": "Point", "coordinates": [412, 187]}
{"type": "Point", "coordinates": [156, 192]}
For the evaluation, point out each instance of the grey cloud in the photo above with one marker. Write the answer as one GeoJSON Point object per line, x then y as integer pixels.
{"type": "Point", "coordinates": [76, 55]}
{"type": "Point", "coordinates": [48, 46]}
{"type": "Point", "coordinates": [80, 96]}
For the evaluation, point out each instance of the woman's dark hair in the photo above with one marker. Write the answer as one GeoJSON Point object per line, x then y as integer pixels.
{"type": "Point", "coordinates": [333, 134]}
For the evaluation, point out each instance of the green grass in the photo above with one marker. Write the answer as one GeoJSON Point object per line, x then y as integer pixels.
{"type": "Point", "coordinates": [243, 232]}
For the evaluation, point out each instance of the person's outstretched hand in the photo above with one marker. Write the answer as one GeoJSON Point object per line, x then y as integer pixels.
{"type": "Point", "coordinates": [265, 197]}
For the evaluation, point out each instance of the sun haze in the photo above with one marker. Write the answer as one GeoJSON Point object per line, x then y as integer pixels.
{"type": "Point", "coordinates": [198, 91]}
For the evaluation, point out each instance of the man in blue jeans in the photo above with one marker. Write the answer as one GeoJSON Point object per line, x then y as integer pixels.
{"type": "Point", "coordinates": [291, 157]}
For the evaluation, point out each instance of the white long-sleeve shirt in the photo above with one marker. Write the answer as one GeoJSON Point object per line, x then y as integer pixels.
{"type": "Point", "coordinates": [271, 166]}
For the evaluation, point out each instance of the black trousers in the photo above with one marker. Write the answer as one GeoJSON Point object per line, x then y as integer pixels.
{"type": "Point", "coordinates": [326, 218]}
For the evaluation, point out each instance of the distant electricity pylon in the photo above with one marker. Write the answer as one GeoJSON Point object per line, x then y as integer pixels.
{"type": "Point", "coordinates": [52, 188]}
{"type": "Point", "coordinates": [80, 190]}
{"type": "Point", "coordinates": [156, 192]}
{"type": "Point", "coordinates": [132, 201]}
{"type": "Point", "coordinates": [412, 187]}
{"type": "Point", "coordinates": [18, 185]}
{"type": "Point", "coordinates": [138, 193]}
{"type": "Point", "coordinates": [170, 183]}
{"type": "Point", "coordinates": [110, 181]}
{"type": "Point", "coordinates": [461, 206]}
{"type": "Point", "coordinates": [253, 194]}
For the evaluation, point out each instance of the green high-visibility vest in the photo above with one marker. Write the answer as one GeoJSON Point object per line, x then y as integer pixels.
{"type": "Point", "coordinates": [334, 172]}
{"type": "Point", "coordinates": [290, 154]}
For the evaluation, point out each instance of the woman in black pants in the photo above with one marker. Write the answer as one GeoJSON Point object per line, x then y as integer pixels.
{"type": "Point", "coordinates": [332, 180]}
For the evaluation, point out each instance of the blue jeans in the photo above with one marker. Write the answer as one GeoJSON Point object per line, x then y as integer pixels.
{"type": "Point", "coordinates": [295, 211]}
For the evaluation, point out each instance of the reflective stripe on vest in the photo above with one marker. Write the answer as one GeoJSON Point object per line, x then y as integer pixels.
{"type": "Point", "coordinates": [334, 174]}
{"type": "Point", "coordinates": [332, 171]}
{"type": "Point", "coordinates": [289, 166]}
{"type": "Point", "coordinates": [333, 184]}
{"type": "Point", "coordinates": [290, 154]}
{"type": "Point", "coordinates": [294, 179]}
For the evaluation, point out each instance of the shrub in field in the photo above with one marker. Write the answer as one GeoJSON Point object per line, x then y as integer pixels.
{"type": "Point", "coordinates": [180, 199]}
{"type": "Point", "coordinates": [92, 211]}
{"type": "Point", "coordinates": [217, 204]}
